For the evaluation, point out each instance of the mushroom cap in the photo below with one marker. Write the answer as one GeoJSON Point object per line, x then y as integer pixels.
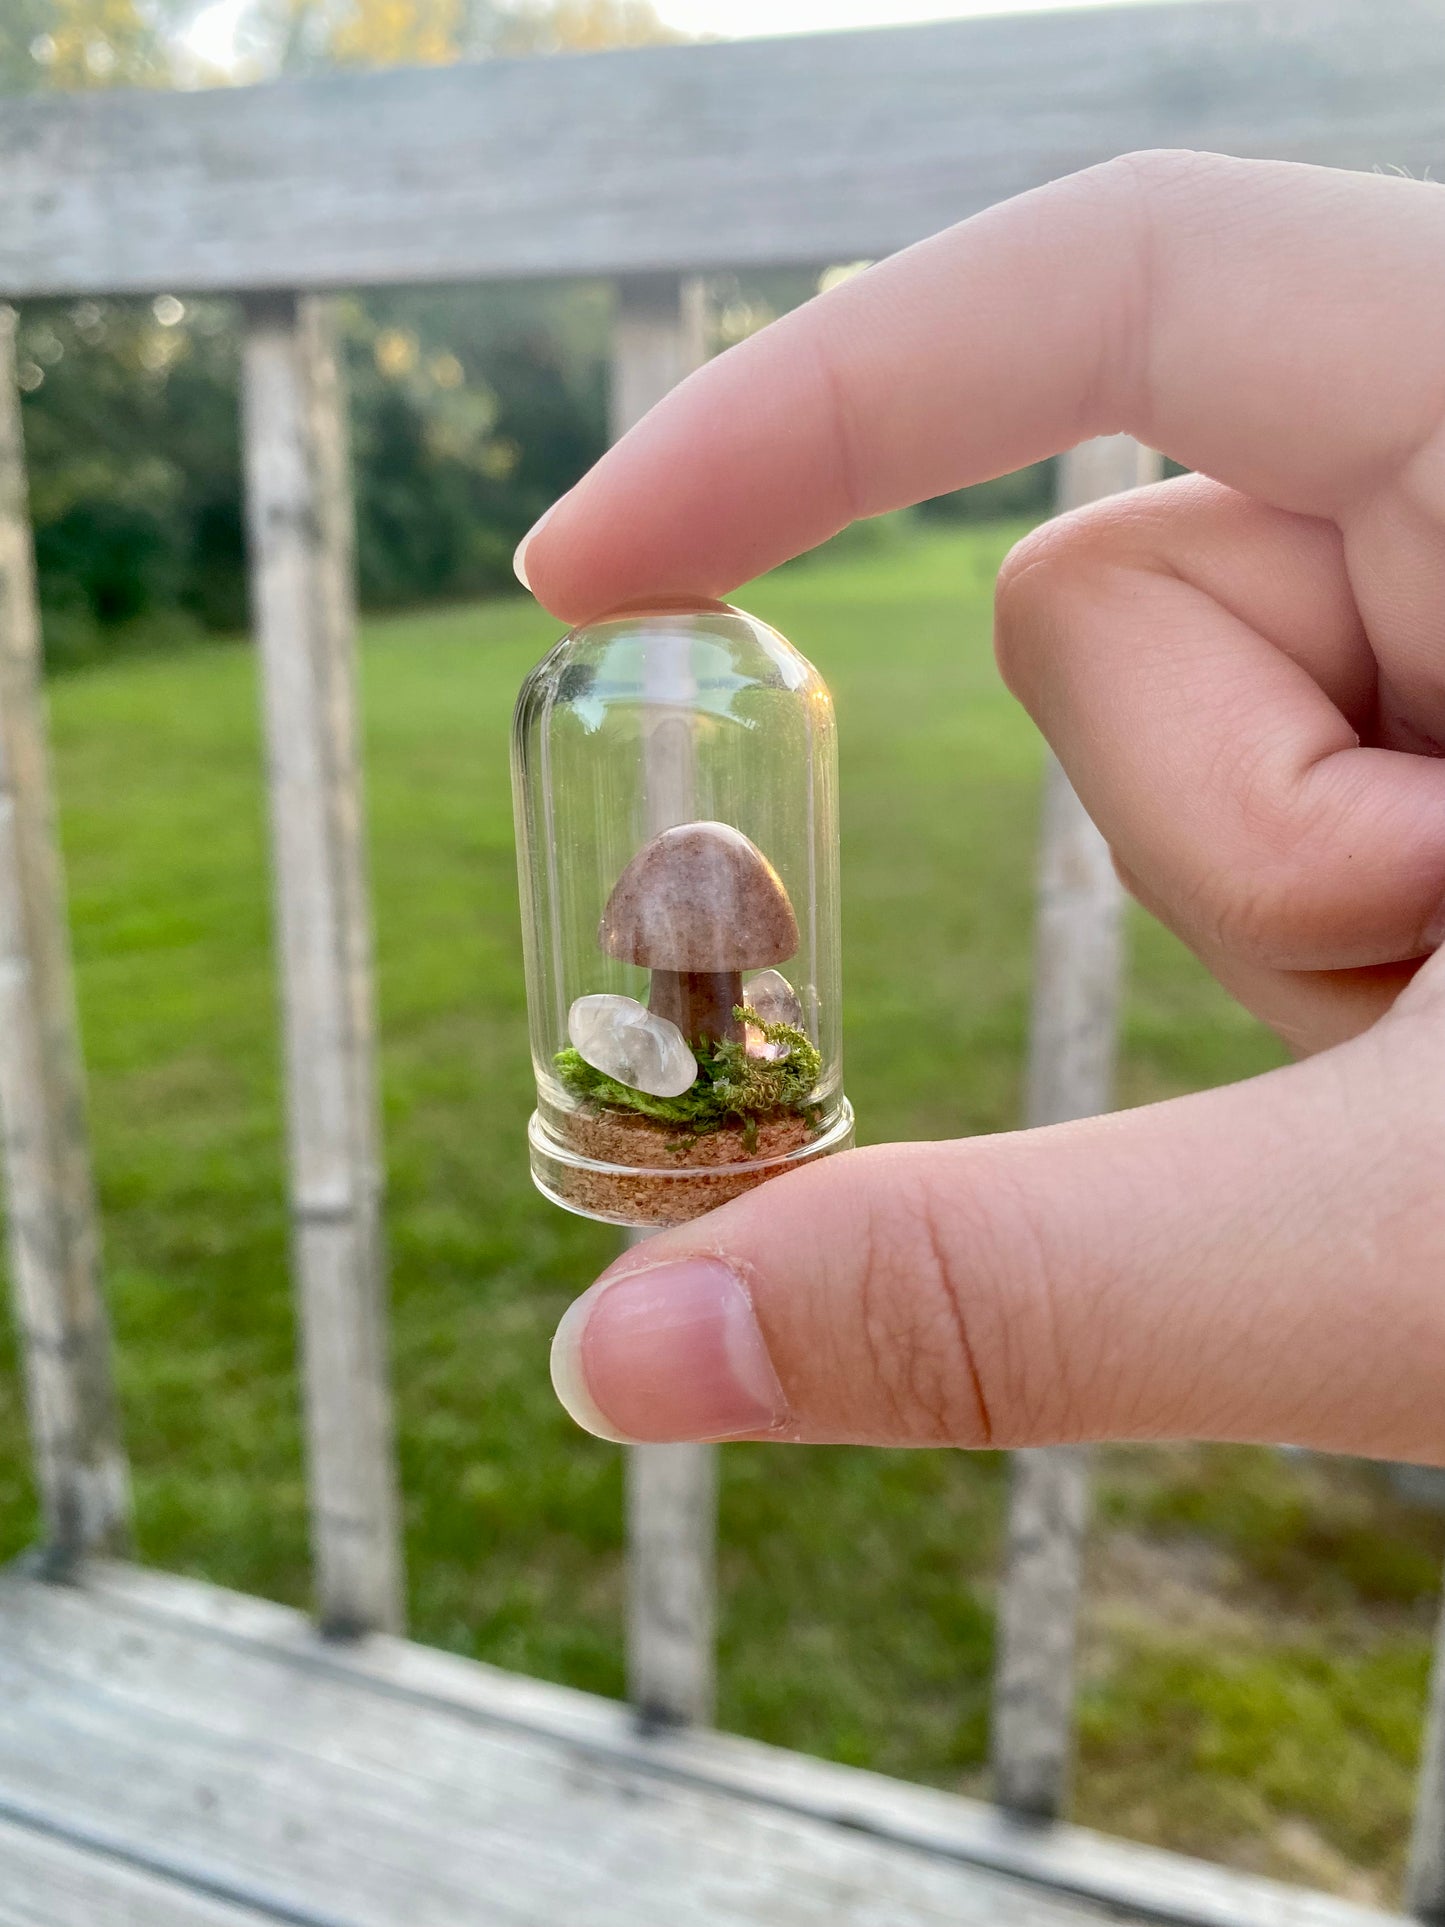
{"type": "Point", "coordinates": [699, 897]}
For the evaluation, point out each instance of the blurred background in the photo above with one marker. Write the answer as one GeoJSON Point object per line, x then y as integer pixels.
{"type": "Point", "coordinates": [1257, 1623]}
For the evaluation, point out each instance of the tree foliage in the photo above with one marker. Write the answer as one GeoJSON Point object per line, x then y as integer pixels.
{"type": "Point", "coordinates": [301, 36]}
{"type": "Point", "coordinates": [472, 409]}
{"type": "Point", "coordinates": [583, 26]}
{"type": "Point", "coordinates": [75, 45]}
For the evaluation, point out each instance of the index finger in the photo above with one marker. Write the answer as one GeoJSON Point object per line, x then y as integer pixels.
{"type": "Point", "coordinates": [1272, 325]}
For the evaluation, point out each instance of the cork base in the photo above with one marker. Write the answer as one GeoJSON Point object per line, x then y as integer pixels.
{"type": "Point", "coordinates": [628, 1170]}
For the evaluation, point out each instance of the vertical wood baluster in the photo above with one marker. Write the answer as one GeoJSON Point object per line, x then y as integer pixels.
{"type": "Point", "coordinates": [1425, 1876]}
{"type": "Point", "coordinates": [671, 1581]}
{"type": "Point", "coordinates": [1078, 968]}
{"type": "Point", "coordinates": [299, 517]}
{"type": "Point", "coordinates": [51, 1221]}
{"type": "Point", "coordinates": [658, 338]}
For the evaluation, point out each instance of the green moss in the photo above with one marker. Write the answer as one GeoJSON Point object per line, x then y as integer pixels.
{"type": "Point", "coordinates": [732, 1090]}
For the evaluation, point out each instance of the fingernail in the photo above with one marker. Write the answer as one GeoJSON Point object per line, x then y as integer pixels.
{"type": "Point", "coordinates": [667, 1353]}
{"type": "Point", "coordinates": [519, 560]}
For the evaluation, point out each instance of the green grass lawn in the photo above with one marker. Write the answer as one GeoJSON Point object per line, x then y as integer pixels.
{"type": "Point", "coordinates": [1256, 1643]}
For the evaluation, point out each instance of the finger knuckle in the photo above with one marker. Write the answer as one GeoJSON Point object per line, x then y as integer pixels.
{"type": "Point", "coordinates": [934, 1301]}
{"type": "Point", "coordinates": [1040, 578]}
{"type": "Point", "coordinates": [1265, 917]}
{"type": "Point", "coordinates": [910, 1325]}
{"type": "Point", "coordinates": [1260, 890]}
{"type": "Point", "coordinates": [1242, 916]}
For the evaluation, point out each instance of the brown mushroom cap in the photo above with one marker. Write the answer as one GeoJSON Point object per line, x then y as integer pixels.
{"type": "Point", "coordinates": [700, 897]}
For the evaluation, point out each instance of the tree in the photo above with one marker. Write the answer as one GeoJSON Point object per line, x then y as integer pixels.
{"type": "Point", "coordinates": [304, 36]}
{"type": "Point", "coordinates": [396, 33]}
{"type": "Point", "coordinates": [72, 45]}
{"type": "Point", "coordinates": [582, 26]}
{"type": "Point", "coordinates": [472, 409]}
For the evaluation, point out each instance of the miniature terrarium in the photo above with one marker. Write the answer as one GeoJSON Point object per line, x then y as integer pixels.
{"type": "Point", "coordinates": [674, 773]}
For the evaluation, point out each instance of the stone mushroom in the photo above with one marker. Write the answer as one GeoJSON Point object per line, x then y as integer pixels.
{"type": "Point", "coordinates": [697, 906]}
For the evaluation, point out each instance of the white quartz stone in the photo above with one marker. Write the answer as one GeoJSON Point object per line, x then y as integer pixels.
{"type": "Point", "coordinates": [623, 1039]}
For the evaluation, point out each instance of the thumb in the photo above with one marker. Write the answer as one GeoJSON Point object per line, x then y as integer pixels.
{"type": "Point", "coordinates": [1257, 1262]}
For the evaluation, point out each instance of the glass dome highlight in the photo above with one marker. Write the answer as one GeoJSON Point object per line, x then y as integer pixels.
{"type": "Point", "coordinates": [674, 773]}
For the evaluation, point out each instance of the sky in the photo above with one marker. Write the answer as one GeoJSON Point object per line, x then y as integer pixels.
{"type": "Point", "coordinates": [210, 35]}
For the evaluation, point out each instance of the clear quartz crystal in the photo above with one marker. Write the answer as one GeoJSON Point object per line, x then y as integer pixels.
{"type": "Point", "coordinates": [774, 999]}
{"type": "Point", "coordinates": [623, 1039]}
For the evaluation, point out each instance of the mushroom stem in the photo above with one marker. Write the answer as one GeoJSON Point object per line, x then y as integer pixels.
{"type": "Point", "coordinates": [699, 1002]}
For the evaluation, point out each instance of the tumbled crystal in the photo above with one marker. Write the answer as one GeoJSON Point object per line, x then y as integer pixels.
{"type": "Point", "coordinates": [623, 1039]}
{"type": "Point", "coordinates": [774, 999]}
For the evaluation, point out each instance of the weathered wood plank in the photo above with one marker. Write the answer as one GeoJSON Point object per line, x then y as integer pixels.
{"type": "Point", "coordinates": [671, 1581]}
{"type": "Point", "coordinates": [659, 336]}
{"type": "Point", "coordinates": [822, 148]}
{"type": "Point", "coordinates": [1033, 1692]}
{"type": "Point", "coordinates": [51, 1882]}
{"type": "Point", "coordinates": [1078, 963]}
{"type": "Point", "coordinates": [53, 1236]}
{"type": "Point", "coordinates": [1425, 1878]}
{"type": "Point", "coordinates": [299, 520]}
{"type": "Point", "coordinates": [385, 1767]}
{"type": "Point", "coordinates": [311, 1795]}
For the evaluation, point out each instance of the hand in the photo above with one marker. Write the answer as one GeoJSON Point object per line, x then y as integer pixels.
{"type": "Point", "coordinates": [1243, 672]}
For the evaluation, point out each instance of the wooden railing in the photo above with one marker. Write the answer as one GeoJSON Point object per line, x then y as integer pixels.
{"type": "Point", "coordinates": [649, 168]}
{"type": "Point", "coordinates": [299, 518]}
{"type": "Point", "coordinates": [1073, 1034]}
{"type": "Point", "coordinates": [54, 1241]}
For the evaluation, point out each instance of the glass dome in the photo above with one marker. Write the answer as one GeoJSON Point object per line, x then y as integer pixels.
{"type": "Point", "coordinates": [675, 779]}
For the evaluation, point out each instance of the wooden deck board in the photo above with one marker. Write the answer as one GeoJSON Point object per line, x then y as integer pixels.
{"type": "Point", "coordinates": [203, 1741]}
{"type": "Point", "coordinates": [50, 1882]}
{"type": "Point", "coordinates": [804, 149]}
